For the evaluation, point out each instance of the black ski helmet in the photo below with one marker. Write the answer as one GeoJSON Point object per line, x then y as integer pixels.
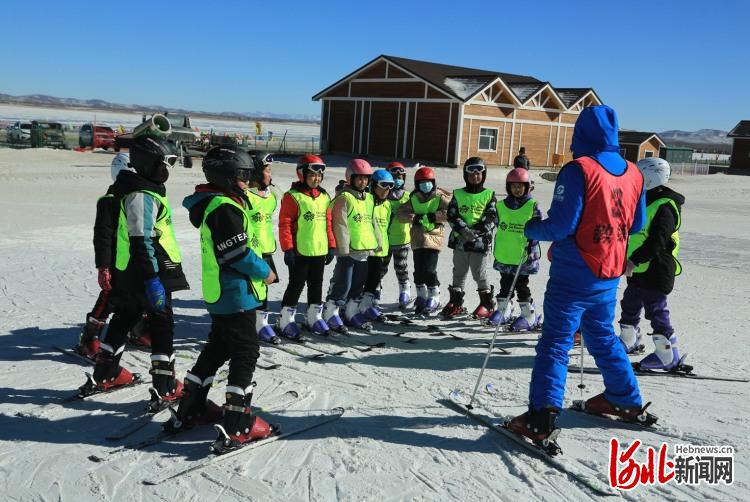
{"type": "Point", "coordinates": [475, 161]}
{"type": "Point", "coordinates": [223, 166]}
{"type": "Point", "coordinates": [148, 156]}
{"type": "Point", "coordinates": [261, 160]}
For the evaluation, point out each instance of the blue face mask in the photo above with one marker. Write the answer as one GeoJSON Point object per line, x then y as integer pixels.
{"type": "Point", "coordinates": [425, 186]}
{"type": "Point", "coordinates": [398, 183]}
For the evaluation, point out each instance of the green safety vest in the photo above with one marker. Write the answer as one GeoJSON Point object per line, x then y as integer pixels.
{"type": "Point", "coordinates": [359, 221]}
{"type": "Point", "coordinates": [312, 225]}
{"type": "Point", "coordinates": [471, 206]}
{"type": "Point", "coordinates": [398, 233]}
{"type": "Point", "coordinates": [382, 216]}
{"type": "Point", "coordinates": [261, 219]}
{"type": "Point", "coordinates": [162, 225]}
{"type": "Point", "coordinates": [210, 268]}
{"type": "Point", "coordinates": [510, 242]}
{"type": "Point", "coordinates": [427, 207]}
{"type": "Point", "coordinates": [636, 240]}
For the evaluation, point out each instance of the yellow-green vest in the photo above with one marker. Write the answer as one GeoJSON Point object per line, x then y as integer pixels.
{"type": "Point", "coordinates": [210, 268]}
{"type": "Point", "coordinates": [637, 240]}
{"type": "Point", "coordinates": [471, 206]}
{"type": "Point", "coordinates": [382, 217]}
{"type": "Point", "coordinates": [312, 225]}
{"type": "Point", "coordinates": [510, 242]}
{"type": "Point", "coordinates": [261, 219]}
{"type": "Point", "coordinates": [162, 226]}
{"type": "Point", "coordinates": [359, 221]}
{"type": "Point", "coordinates": [398, 233]}
{"type": "Point", "coordinates": [427, 207]}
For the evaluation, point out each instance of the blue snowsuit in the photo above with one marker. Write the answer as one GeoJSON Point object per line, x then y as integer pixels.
{"type": "Point", "coordinates": [575, 297]}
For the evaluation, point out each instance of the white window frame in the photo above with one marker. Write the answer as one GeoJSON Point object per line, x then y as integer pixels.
{"type": "Point", "coordinates": [646, 154]}
{"type": "Point", "coordinates": [479, 138]}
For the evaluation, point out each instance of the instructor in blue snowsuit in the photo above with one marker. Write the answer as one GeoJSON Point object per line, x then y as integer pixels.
{"type": "Point", "coordinates": [598, 200]}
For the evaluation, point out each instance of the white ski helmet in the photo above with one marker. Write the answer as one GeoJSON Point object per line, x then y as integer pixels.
{"type": "Point", "coordinates": [119, 163]}
{"type": "Point", "coordinates": [655, 171]}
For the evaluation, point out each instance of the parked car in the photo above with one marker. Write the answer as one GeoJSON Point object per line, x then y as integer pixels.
{"type": "Point", "coordinates": [20, 132]}
{"type": "Point", "coordinates": [99, 136]}
{"type": "Point", "coordinates": [49, 134]}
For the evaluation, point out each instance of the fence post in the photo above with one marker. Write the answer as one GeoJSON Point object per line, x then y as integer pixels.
{"type": "Point", "coordinates": [695, 169]}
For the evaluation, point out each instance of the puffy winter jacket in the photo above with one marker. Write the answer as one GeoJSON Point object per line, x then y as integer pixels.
{"type": "Point", "coordinates": [421, 239]}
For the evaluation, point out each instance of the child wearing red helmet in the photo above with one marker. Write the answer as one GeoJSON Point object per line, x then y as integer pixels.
{"type": "Point", "coordinates": [426, 210]}
{"type": "Point", "coordinates": [307, 240]}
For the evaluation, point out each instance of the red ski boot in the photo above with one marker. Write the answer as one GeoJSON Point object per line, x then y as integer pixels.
{"type": "Point", "coordinates": [120, 378]}
{"type": "Point", "coordinates": [539, 427]}
{"type": "Point", "coordinates": [240, 425]}
{"type": "Point", "coordinates": [486, 304]}
{"type": "Point", "coordinates": [455, 306]}
{"type": "Point", "coordinates": [166, 389]}
{"type": "Point", "coordinates": [599, 405]}
{"type": "Point", "coordinates": [195, 408]}
{"type": "Point", "coordinates": [140, 337]}
{"type": "Point", "coordinates": [88, 343]}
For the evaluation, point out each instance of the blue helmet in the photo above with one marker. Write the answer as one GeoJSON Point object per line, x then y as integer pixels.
{"type": "Point", "coordinates": [383, 178]}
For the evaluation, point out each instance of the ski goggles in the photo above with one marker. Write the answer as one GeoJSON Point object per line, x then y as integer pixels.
{"type": "Point", "coordinates": [316, 168]}
{"type": "Point", "coordinates": [170, 160]}
{"type": "Point", "coordinates": [244, 174]}
{"type": "Point", "coordinates": [266, 159]}
{"type": "Point", "coordinates": [397, 170]}
{"type": "Point", "coordinates": [474, 168]}
{"type": "Point", "coordinates": [385, 185]}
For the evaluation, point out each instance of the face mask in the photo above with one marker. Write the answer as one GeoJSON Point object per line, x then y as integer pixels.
{"type": "Point", "coordinates": [425, 186]}
{"type": "Point", "coordinates": [399, 183]}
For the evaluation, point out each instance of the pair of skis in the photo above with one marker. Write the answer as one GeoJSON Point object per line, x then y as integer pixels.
{"type": "Point", "coordinates": [681, 371]}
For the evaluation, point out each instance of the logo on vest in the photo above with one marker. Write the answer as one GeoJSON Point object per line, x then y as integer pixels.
{"type": "Point", "coordinates": [308, 216]}
{"type": "Point", "coordinates": [358, 218]}
{"type": "Point", "coordinates": [257, 218]}
{"type": "Point", "coordinates": [503, 226]}
{"type": "Point", "coordinates": [463, 209]}
{"type": "Point", "coordinates": [254, 242]}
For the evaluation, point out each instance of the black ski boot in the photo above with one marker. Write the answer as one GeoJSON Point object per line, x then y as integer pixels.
{"type": "Point", "coordinates": [486, 304]}
{"type": "Point", "coordinates": [165, 388]}
{"type": "Point", "coordinates": [240, 425]}
{"type": "Point", "coordinates": [194, 408]}
{"type": "Point", "coordinates": [455, 304]}
{"type": "Point", "coordinates": [539, 427]}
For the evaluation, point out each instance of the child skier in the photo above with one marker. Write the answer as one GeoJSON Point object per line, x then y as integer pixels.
{"type": "Point", "coordinates": [652, 261]}
{"type": "Point", "coordinates": [399, 235]}
{"type": "Point", "coordinates": [426, 210]}
{"type": "Point", "coordinates": [234, 284]}
{"type": "Point", "coordinates": [307, 240]}
{"type": "Point", "coordinates": [512, 250]}
{"type": "Point", "coordinates": [263, 198]}
{"type": "Point", "coordinates": [147, 270]}
{"type": "Point", "coordinates": [472, 215]}
{"type": "Point", "coordinates": [357, 238]}
{"type": "Point", "coordinates": [381, 185]}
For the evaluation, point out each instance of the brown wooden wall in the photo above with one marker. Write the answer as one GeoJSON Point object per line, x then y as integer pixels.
{"type": "Point", "coordinates": [652, 145]}
{"type": "Point", "coordinates": [740, 162]}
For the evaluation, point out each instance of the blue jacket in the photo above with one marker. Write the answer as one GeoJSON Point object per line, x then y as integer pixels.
{"type": "Point", "coordinates": [595, 135]}
{"type": "Point", "coordinates": [230, 246]}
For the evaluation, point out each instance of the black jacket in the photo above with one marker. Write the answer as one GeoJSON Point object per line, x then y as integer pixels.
{"type": "Point", "coordinates": [105, 227]}
{"type": "Point", "coordinates": [658, 246]}
{"type": "Point", "coordinates": [483, 228]}
{"type": "Point", "coordinates": [148, 259]}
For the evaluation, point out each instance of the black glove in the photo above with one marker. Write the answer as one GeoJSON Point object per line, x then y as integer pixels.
{"type": "Point", "coordinates": [416, 218]}
{"type": "Point", "coordinates": [289, 258]}
{"type": "Point", "coordinates": [329, 256]}
{"type": "Point", "coordinates": [431, 217]}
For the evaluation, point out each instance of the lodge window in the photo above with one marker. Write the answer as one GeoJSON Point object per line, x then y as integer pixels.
{"type": "Point", "coordinates": [487, 139]}
{"type": "Point", "coordinates": [649, 153]}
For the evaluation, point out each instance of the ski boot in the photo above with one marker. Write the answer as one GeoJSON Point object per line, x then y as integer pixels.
{"type": "Point", "coordinates": [88, 343]}
{"type": "Point", "coordinates": [486, 304]}
{"type": "Point", "coordinates": [665, 355]}
{"type": "Point", "coordinates": [165, 388]}
{"type": "Point", "coordinates": [194, 408]}
{"type": "Point", "coordinates": [240, 426]}
{"type": "Point", "coordinates": [455, 305]}
{"type": "Point", "coordinates": [528, 320]}
{"type": "Point", "coordinates": [433, 301]}
{"type": "Point", "coordinates": [577, 340]}
{"type": "Point", "coordinates": [404, 296]}
{"type": "Point", "coordinates": [332, 317]}
{"type": "Point", "coordinates": [421, 301]}
{"type": "Point", "coordinates": [503, 316]}
{"type": "Point", "coordinates": [314, 320]}
{"type": "Point", "coordinates": [599, 405]}
{"type": "Point", "coordinates": [353, 318]}
{"type": "Point", "coordinates": [630, 336]}
{"type": "Point", "coordinates": [265, 331]}
{"type": "Point", "coordinates": [287, 327]}
{"type": "Point", "coordinates": [369, 307]}
{"type": "Point", "coordinates": [539, 427]}
{"type": "Point", "coordinates": [139, 336]}
{"type": "Point", "coordinates": [108, 374]}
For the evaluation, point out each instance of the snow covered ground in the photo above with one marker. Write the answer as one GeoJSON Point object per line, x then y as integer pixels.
{"type": "Point", "coordinates": [396, 441]}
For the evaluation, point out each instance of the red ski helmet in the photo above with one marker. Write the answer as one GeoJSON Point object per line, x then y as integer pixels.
{"type": "Point", "coordinates": [309, 162]}
{"type": "Point", "coordinates": [424, 174]}
{"type": "Point", "coordinates": [518, 175]}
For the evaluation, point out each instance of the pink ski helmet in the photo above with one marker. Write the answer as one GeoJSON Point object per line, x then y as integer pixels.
{"type": "Point", "coordinates": [357, 167]}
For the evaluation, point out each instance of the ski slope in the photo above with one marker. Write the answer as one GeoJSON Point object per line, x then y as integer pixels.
{"type": "Point", "coordinates": [397, 440]}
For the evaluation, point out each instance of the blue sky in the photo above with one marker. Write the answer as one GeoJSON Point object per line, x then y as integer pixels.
{"type": "Point", "coordinates": [660, 64]}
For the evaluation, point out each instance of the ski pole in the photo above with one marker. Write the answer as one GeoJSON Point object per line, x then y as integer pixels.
{"type": "Point", "coordinates": [581, 385]}
{"type": "Point", "coordinates": [497, 330]}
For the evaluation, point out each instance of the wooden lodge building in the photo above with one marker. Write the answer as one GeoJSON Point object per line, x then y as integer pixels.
{"type": "Point", "coordinates": [397, 108]}
{"type": "Point", "coordinates": [740, 160]}
{"type": "Point", "coordinates": [637, 145]}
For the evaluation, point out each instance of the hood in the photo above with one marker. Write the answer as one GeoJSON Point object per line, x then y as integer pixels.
{"type": "Point", "coordinates": [356, 193]}
{"type": "Point", "coordinates": [196, 203]}
{"type": "Point", "coordinates": [396, 193]}
{"type": "Point", "coordinates": [596, 130]}
{"type": "Point", "coordinates": [128, 182]}
{"type": "Point", "coordinates": [663, 191]}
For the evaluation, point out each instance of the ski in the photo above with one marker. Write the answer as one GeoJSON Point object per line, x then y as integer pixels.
{"type": "Point", "coordinates": [458, 401]}
{"type": "Point", "coordinates": [347, 341]}
{"type": "Point", "coordinates": [286, 399]}
{"type": "Point", "coordinates": [74, 354]}
{"type": "Point", "coordinates": [675, 374]}
{"type": "Point", "coordinates": [290, 351]}
{"type": "Point", "coordinates": [308, 344]}
{"type": "Point", "coordinates": [332, 415]}
{"type": "Point", "coordinates": [499, 349]}
{"type": "Point", "coordinates": [137, 380]}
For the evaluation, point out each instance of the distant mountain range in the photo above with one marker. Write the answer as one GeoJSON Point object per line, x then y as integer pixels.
{"type": "Point", "coordinates": [703, 139]}
{"type": "Point", "coordinates": [99, 104]}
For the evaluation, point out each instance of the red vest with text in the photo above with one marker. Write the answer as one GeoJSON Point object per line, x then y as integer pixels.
{"type": "Point", "coordinates": [609, 206]}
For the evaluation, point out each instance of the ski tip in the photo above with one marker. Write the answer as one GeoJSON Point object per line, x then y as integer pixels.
{"type": "Point", "coordinates": [95, 458]}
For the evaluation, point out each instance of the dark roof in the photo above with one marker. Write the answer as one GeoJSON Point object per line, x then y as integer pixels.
{"type": "Point", "coordinates": [741, 130]}
{"type": "Point", "coordinates": [636, 137]}
{"type": "Point", "coordinates": [570, 95]}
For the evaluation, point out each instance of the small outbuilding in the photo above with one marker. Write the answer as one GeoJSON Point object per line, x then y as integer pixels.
{"type": "Point", "coordinates": [398, 108]}
{"type": "Point", "coordinates": [637, 145]}
{"type": "Point", "coordinates": [740, 161]}
{"type": "Point", "coordinates": [676, 154]}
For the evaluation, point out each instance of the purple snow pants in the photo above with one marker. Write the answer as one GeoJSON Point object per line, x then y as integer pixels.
{"type": "Point", "coordinates": [653, 302]}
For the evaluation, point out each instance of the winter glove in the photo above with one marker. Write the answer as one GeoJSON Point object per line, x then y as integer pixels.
{"type": "Point", "coordinates": [629, 268]}
{"type": "Point", "coordinates": [105, 278]}
{"type": "Point", "coordinates": [289, 258]}
{"type": "Point", "coordinates": [468, 234]}
{"type": "Point", "coordinates": [431, 217]}
{"type": "Point", "coordinates": [477, 245]}
{"type": "Point", "coordinates": [329, 256]}
{"type": "Point", "coordinates": [155, 294]}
